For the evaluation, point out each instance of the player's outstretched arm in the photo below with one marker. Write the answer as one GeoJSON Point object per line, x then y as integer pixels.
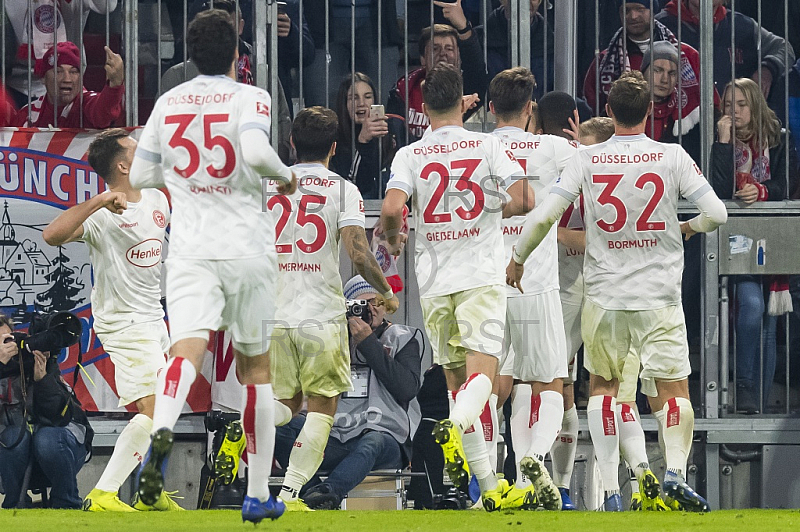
{"type": "Point", "coordinates": [355, 242]}
{"type": "Point", "coordinates": [523, 199]}
{"type": "Point", "coordinates": [538, 224]}
{"type": "Point", "coordinates": [68, 227]}
{"type": "Point", "coordinates": [392, 219]}
{"type": "Point", "coordinates": [257, 153]}
{"type": "Point", "coordinates": [712, 214]}
{"type": "Point", "coordinates": [572, 238]}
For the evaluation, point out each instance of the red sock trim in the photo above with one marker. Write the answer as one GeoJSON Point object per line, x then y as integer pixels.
{"type": "Point", "coordinates": [486, 422]}
{"type": "Point", "coordinates": [673, 413]}
{"type": "Point", "coordinates": [536, 402]}
{"type": "Point", "coordinates": [249, 419]}
{"type": "Point", "coordinates": [609, 417]}
{"type": "Point", "coordinates": [173, 377]}
{"type": "Point", "coordinates": [627, 414]}
{"type": "Point", "coordinates": [466, 383]}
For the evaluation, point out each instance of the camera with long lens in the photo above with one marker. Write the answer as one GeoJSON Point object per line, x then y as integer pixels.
{"type": "Point", "coordinates": [358, 308]}
{"type": "Point", "coordinates": [48, 332]}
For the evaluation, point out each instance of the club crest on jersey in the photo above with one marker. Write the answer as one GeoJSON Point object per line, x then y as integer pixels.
{"type": "Point", "coordinates": [145, 254]}
{"type": "Point", "coordinates": [262, 109]}
{"type": "Point", "coordinates": [159, 219]}
{"type": "Point", "coordinates": [511, 155]}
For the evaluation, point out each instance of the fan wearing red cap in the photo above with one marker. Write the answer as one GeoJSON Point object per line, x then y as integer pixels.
{"type": "Point", "coordinates": [61, 72]}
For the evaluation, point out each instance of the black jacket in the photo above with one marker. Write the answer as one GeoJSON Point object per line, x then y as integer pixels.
{"type": "Point", "coordinates": [369, 168]}
{"type": "Point", "coordinates": [723, 173]}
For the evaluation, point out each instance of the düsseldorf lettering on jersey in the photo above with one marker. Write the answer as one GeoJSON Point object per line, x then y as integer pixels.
{"type": "Point", "coordinates": [456, 179]}
{"type": "Point", "coordinates": [634, 249]}
{"type": "Point", "coordinates": [307, 226]}
{"type": "Point", "coordinates": [194, 132]}
{"type": "Point", "coordinates": [543, 157]}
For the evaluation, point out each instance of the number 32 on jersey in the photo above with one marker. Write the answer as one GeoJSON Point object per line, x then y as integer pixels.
{"type": "Point", "coordinates": [607, 197]}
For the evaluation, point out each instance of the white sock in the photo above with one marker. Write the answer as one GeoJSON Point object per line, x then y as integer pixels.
{"type": "Point", "coordinates": [601, 412]}
{"type": "Point", "coordinates": [283, 414]}
{"type": "Point", "coordinates": [306, 454]}
{"type": "Point", "coordinates": [128, 452]}
{"type": "Point", "coordinates": [631, 439]}
{"type": "Point", "coordinates": [678, 427]}
{"type": "Point", "coordinates": [564, 448]}
{"type": "Point", "coordinates": [659, 415]}
{"type": "Point", "coordinates": [520, 427]}
{"type": "Point", "coordinates": [633, 480]}
{"type": "Point", "coordinates": [490, 432]}
{"type": "Point", "coordinates": [174, 383]}
{"type": "Point", "coordinates": [478, 457]}
{"type": "Point", "coordinates": [547, 409]}
{"type": "Point", "coordinates": [258, 421]}
{"type": "Point", "coordinates": [471, 398]}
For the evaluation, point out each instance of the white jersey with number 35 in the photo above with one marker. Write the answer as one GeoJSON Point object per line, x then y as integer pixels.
{"type": "Point", "coordinates": [307, 240]}
{"type": "Point", "coordinates": [634, 250]}
{"type": "Point", "coordinates": [193, 133]}
{"type": "Point", "coordinates": [543, 157]}
{"type": "Point", "coordinates": [456, 179]}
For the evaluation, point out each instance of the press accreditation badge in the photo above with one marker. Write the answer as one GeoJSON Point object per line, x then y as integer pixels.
{"type": "Point", "coordinates": [359, 375]}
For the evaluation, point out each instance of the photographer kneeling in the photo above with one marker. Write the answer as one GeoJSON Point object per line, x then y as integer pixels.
{"type": "Point", "coordinates": [41, 423]}
{"type": "Point", "coordinates": [371, 424]}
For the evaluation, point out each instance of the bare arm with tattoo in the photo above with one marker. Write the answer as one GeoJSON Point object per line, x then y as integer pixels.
{"type": "Point", "coordinates": [355, 242]}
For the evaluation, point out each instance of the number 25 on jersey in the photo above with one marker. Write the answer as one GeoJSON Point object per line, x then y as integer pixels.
{"type": "Point", "coordinates": [305, 216]}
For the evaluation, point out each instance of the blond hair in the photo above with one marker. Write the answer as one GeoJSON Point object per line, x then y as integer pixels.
{"type": "Point", "coordinates": [599, 127]}
{"type": "Point", "coordinates": [764, 126]}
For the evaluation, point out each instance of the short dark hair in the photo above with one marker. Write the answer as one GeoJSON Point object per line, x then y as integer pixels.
{"type": "Point", "coordinates": [443, 88]}
{"type": "Point", "coordinates": [6, 320]}
{"type": "Point", "coordinates": [629, 98]}
{"type": "Point", "coordinates": [212, 42]}
{"type": "Point", "coordinates": [437, 30]}
{"type": "Point", "coordinates": [314, 131]}
{"type": "Point", "coordinates": [510, 91]}
{"type": "Point", "coordinates": [555, 110]}
{"type": "Point", "coordinates": [105, 150]}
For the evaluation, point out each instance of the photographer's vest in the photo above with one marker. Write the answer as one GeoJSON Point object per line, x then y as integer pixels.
{"type": "Point", "coordinates": [377, 411]}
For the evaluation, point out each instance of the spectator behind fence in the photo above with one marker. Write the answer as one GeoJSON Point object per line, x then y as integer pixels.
{"type": "Point", "coordinates": [63, 97]}
{"type": "Point", "coordinates": [70, 19]}
{"type": "Point", "coordinates": [498, 52]}
{"type": "Point", "coordinates": [185, 71]}
{"type": "Point", "coordinates": [748, 42]}
{"type": "Point", "coordinates": [450, 45]}
{"type": "Point", "coordinates": [374, 145]}
{"type": "Point", "coordinates": [670, 120]}
{"type": "Point", "coordinates": [371, 423]}
{"type": "Point", "coordinates": [289, 24]}
{"type": "Point", "coordinates": [617, 59]}
{"type": "Point", "coordinates": [42, 426]}
{"type": "Point", "coordinates": [340, 45]}
{"type": "Point", "coordinates": [794, 112]}
{"type": "Point", "coordinates": [760, 150]}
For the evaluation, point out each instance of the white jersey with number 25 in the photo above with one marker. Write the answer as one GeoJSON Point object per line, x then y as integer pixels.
{"type": "Point", "coordinates": [634, 250]}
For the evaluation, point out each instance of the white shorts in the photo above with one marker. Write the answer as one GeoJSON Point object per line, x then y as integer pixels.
{"type": "Point", "coordinates": [657, 336]}
{"type": "Point", "coordinates": [630, 377]}
{"type": "Point", "coordinates": [506, 364]}
{"type": "Point", "coordinates": [572, 331]}
{"type": "Point", "coordinates": [138, 353]}
{"type": "Point", "coordinates": [535, 328]}
{"type": "Point", "coordinates": [471, 320]}
{"type": "Point", "coordinates": [237, 295]}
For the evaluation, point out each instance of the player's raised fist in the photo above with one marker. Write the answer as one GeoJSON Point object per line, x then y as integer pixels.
{"type": "Point", "coordinates": [115, 68]}
{"type": "Point", "coordinates": [115, 202]}
{"type": "Point", "coordinates": [287, 189]}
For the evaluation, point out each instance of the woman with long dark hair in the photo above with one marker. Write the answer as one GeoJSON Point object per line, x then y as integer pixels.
{"type": "Point", "coordinates": [368, 133]}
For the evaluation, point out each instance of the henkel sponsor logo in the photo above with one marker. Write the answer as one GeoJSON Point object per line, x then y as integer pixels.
{"type": "Point", "coordinates": [145, 254]}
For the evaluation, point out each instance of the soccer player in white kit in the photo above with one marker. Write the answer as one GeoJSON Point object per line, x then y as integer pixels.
{"type": "Point", "coordinates": [310, 351]}
{"type": "Point", "coordinates": [534, 326]}
{"type": "Point", "coordinates": [632, 275]}
{"type": "Point", "coordinates": [208, 141]}
{"type": "Point", "coordinates": [124, 229]}
{"type": "Point", "coordinates": [456, 179]}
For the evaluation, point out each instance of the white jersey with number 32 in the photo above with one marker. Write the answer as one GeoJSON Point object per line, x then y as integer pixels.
{"type": "Point", "coordinates": [634, 250]}
{"type": "Point", "coordinates": [307, 240]}
{"type": "Point", "coordinates": [193, 133]}
{"type": "Point", "coordinates": [543, 157]}
{"type": "Point", "coordinates": [456, 179]}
